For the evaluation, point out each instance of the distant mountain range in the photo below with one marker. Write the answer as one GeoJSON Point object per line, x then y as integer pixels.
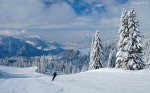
{"type": "Point", "coordinates": [33, 46]}
{"type": "Point", "coordinates": [28, 47]}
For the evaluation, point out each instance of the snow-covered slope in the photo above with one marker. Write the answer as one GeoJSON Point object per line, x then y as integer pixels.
{"type": "Point", "coordinates": [25, 80]}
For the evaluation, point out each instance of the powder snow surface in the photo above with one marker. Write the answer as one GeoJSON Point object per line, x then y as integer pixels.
{"type": "Point", "coordinates": [26, 80]}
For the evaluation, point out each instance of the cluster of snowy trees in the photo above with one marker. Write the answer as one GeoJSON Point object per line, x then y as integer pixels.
{"type": "Point", "coordinates": [70, 61]}
{"type": "Point", "coordinates": [129, 53]}
{"type": "Point", "coordinates": [18, 62]}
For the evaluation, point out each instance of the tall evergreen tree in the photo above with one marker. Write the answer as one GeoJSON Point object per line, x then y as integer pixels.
{"type": "Point", "coordinates": [129, 55]}
{"type": "Point", "coordinates": [96, 52]}
{"type": "Point", "coordinates": [123, 34]}
{"type": "Point", "coordinates": [41, 64]}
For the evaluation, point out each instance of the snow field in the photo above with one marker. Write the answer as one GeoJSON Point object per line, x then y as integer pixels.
{"type": "Point", "coordinates": [26, 80]}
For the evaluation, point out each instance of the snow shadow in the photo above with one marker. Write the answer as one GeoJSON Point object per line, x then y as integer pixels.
{"type": "Point", "coordinates": [5, 75]}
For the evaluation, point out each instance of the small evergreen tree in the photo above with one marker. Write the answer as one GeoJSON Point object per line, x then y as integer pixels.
{"type": "Point", "coordinates": [96, 52]}
{"type": "Point", "coordinates": [129, 55]}
{"type": "Point", "coordinates": [38, 65]}
{"type": "Point", "coordinates": [111, 59]}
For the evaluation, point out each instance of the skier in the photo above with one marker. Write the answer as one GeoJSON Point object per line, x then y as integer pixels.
{"type": "Point", "coordinates": [54, 75]}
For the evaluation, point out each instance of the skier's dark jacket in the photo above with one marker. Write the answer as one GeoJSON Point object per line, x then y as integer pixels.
{"type": "Point", "coordinates": [55, 74]}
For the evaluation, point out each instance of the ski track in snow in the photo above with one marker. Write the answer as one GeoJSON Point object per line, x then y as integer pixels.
{"type": "Point", "coordinates": [25, 80]}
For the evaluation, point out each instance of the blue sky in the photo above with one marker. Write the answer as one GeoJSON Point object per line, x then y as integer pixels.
{"type": "Point", "coordinates": [67, 17]}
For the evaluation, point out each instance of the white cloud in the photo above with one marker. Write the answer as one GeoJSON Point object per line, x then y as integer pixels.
{"type": "Point", "coordinates": [61, 13]}
{"type": "Point", "coordinates": [29, 13]}
{"type": "Point", "coordinates": [33, 14]}
{"type": "Point", "coordinates": [110, 22]}
{"type": "Point", "coordinates": [77, 22]}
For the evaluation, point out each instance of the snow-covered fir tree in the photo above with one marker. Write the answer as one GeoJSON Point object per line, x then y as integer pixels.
{"type": "Point", "coordinates": [84, 68]}
{"type": "Point", "coordinates": [146, 48]}
{"type": "Point", "coordinates": [129, 55]}
{"type": "Point", "coordinates": [111, 59]}
{"type": "Point", "coordinates": [96, 52]}
{"type": "Point", "coordinates": [41, 64]}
